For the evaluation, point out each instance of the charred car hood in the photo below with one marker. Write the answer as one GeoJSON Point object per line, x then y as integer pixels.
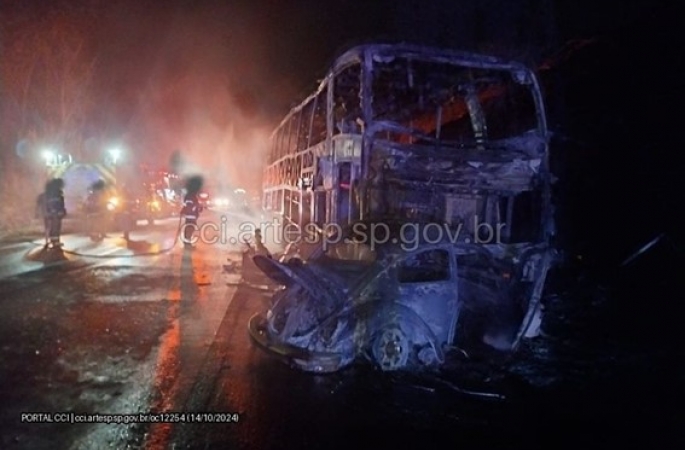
{"type": "Point", "coordinates": [318, 280]}
{"type": "Point", "coordinates": [314, 292]}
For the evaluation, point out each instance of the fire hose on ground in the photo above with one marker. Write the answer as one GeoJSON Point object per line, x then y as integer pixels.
{"type": "Point", "coordinates": [154, 253]}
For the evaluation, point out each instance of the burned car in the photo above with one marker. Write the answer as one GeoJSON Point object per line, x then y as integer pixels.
{"type": "Point", "coordinates": [397, 305]}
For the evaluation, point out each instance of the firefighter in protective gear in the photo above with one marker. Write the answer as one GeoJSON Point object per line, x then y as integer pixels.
{"type": "Point", "coordinates": [190, 212]}
{"type": "Point", "coordinates": [53, 212]}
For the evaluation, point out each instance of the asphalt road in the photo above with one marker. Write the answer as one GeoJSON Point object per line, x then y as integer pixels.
{"type": "Point", "coordinates": [146, 327]}
{"type": "Point", "coordinates": [110, 327]}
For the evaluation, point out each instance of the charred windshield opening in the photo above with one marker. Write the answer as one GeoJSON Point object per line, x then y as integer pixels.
{"type": "Point", "coordinates": [347, 108]}
{"type": "Point", "coordinates": [450, 102]}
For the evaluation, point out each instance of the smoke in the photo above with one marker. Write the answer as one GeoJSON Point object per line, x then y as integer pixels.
{"type": "Point", "coordinates": [210, 134]}
{"type": "Point", "coordinates": [199, 90]}
{"type": "Point", "coordinates": [206, 79]}
{"type": "Point", "coordinates": [231, 153]}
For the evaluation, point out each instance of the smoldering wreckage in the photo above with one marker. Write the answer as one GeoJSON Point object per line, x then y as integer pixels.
{"type": "Point", "coordinates": [434, 136]}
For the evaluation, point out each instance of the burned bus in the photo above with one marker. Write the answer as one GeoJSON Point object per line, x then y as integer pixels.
{"type": "Point", "coordinates": [420, 133]}
{"type": "Point", "coordinates": [417, 136]}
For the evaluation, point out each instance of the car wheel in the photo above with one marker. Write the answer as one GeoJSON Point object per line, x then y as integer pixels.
{"type": "Point", "coordinates": [391, 348]}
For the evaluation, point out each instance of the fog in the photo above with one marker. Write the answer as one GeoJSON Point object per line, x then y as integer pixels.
{"type": "Point", "coordinates": [84, 76]}
{"type": "Point", "coordinates": [203, 123]}
{"type": "Point", "coordinates": [200, 87]}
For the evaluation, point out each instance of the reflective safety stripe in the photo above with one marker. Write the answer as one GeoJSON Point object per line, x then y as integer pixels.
{"type": "Point", "coordinates": [107, 173]}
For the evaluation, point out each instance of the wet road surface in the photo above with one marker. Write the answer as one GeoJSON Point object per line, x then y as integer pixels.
{"type": "Point", "coordinates": [109, 327]}
{"type": "Point", "coordinates": [168, 333]}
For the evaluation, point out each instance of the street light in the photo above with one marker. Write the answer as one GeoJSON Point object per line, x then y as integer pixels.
{"type": "Point", "coordinates": [48, 156]}
{"type": "Point", "coordinates": [114, 154]}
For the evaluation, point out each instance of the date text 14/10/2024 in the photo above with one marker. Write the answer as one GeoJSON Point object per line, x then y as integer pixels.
{"type": "Point", "coordinates": [168, 417]}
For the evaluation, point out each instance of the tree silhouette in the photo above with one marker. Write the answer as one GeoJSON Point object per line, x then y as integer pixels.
{"type": "Point", "coordinates": [47, 74]}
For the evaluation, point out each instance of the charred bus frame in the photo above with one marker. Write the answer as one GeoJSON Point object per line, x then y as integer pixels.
{"type": "Point", "coordinates": [419, 133]}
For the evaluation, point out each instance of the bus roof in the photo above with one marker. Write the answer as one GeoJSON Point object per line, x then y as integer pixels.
{"type": "Point", "coordinates": [383, 51]}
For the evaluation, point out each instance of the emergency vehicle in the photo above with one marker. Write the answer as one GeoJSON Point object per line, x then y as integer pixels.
{"type": "Point", "coordinates": [145, 193]}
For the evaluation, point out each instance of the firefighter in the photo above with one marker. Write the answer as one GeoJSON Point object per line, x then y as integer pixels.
{"type": "Point", "coordinates": [53, 212]}
{"type": "Point", "coordinates": [191, 211]}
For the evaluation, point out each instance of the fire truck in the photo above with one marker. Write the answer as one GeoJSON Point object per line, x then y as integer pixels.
{"type": "Point", "coordinates": [138, 191]}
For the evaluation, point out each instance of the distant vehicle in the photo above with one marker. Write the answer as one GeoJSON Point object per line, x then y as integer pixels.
{"type": "Point", "coordinates": [78, 177]}
{"type": "Point", "coordinates": [228, 199]}
{"type": "Point", "coordinates": [120, 209]}
{"type": "Point", "coordinates": [147, 206]}
{"type": "Point", "coordinates": [154, 190]}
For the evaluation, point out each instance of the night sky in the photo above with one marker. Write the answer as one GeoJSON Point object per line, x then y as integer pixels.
{"type": "Point", "coordinates": [270, 53]}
